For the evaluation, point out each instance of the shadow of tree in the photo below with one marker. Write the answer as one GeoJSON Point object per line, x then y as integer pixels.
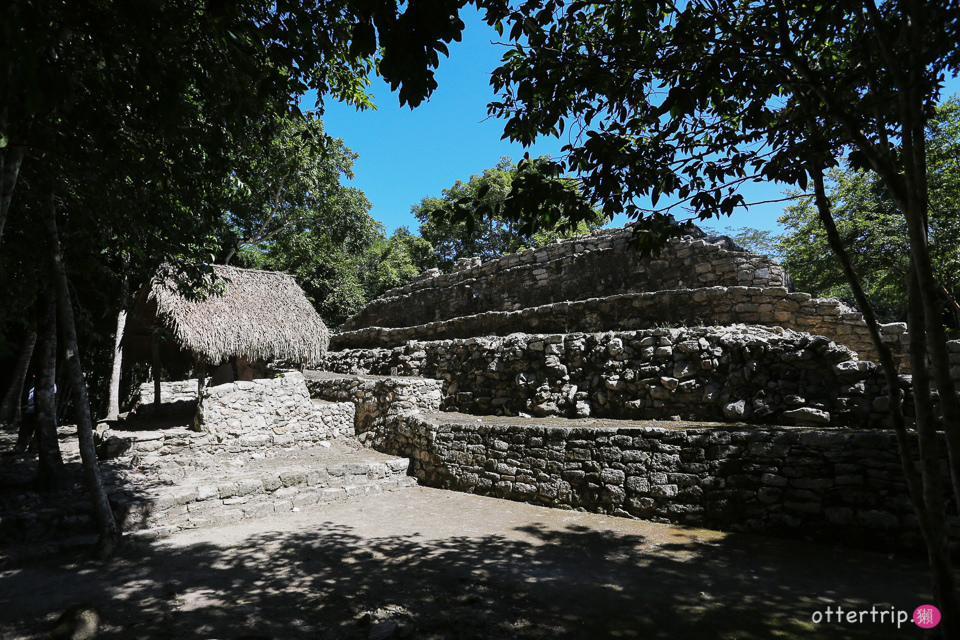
{"type": "Point", "coordinates": [548, 578]}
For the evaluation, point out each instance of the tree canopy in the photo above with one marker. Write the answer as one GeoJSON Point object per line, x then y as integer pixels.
{"type": "Point", "coordinates": [874, 232]}
{"type": "Point", "coordinates": [288, 180]}
{"type": "Point", "coordinates": [691, 100]}
{"type": "Point", "coordinates": [474, 218]}
{"type": "Point", "coordinates": [119, 122]}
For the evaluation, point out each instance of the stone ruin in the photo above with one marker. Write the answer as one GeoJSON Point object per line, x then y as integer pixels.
{"type": "Point", "coordinates": [693, 387]}
{"type": "Point", "coordinates": [598, 283]}
{"type": "Point", "coordinates": [591, 327]}
{"type": "Point", "coordinates": [523, 378]}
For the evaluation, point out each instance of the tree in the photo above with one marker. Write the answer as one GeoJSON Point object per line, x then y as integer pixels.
{"type": "Point", "coordinates": [470, 219]}
{"type": "Point", "coordinates": [324, 262]}
{"type": "Point", "coordinates": [289, 210]}
{"type": "Point", "coordinates": [225, 60]}
{"type": "Point", "coordinates": [691, 101]}
{"type": "Point", "coordinates": [393, 262]}
{"type": "Point", "coordinates": [115, 134]}
{"type": "Point", "coordinates": [286, 181]}
{"type": "Point", "coordinates": [874, 233]}
{"type": "Point", "coordinates": [341, 267]}
{"type": "Point", "coordinates": [762, 241]}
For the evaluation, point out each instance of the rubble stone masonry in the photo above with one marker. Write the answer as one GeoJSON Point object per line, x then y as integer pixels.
{"type": "Point", "coordinates": [600, 264]}
{"type": "Point", "coordinates": [271, 412]}
{"type": "Point", "coordinates": [743, 373]}
{"type": "Point", "coordinates": [600, 282]}
{"type": "Point", "coordinates": [826, 484]}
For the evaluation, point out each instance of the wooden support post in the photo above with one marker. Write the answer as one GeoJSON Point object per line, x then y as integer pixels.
{"type": "Point", "coordinates": [201, 368]}
{"type": "Point", "coordinates": [155, 353]}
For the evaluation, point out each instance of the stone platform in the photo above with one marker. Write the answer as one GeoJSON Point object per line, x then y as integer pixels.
{"type": "Point", "coordinates": [161, 489]}
{"type": "Point", "coordinates": [820, 483]}
{"type": "Point", "coordinates": [158, 483]}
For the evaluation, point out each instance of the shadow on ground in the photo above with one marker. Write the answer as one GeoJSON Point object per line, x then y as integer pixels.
{"type": "Point", "coordinates": [552, 577]}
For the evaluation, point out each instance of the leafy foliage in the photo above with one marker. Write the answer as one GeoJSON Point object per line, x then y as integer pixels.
{"type": "Point", "coordinates": [690, 100]}
{"type": "Point", "coordinates": [133, 116]}
{"type": "Point", "coordinates": [875, 233]}
{"type": "Point", "coordinates": [290, 210]}
{"type": "Point", "coordinates": [341, 268]}
{"type": "Point", "coordinates": [478, 218]}
{"type": "Point", "coordinates": [288, 180]}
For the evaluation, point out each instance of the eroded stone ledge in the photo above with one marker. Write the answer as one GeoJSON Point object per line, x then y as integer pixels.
{"type": "Point", "coordinates": [602, 263]}
{"type": "Point", "coordinates": [768, 306]}
{"type": "Point", "coordinates": [736, 373]}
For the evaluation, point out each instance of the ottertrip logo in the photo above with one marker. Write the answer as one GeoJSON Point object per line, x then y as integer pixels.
{"type": "Point", "coordinates": [926, 616]}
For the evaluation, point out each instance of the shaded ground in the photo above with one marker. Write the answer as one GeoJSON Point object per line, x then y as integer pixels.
{"type": "Point", "coordinates": [425, 563]}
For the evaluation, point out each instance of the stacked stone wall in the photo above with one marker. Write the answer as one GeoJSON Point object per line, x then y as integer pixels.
{"type": "Point", "coordinates": [175, 392]}
{"type": "Point", "coordinates": [743, 373]}
{"type": "Point", "coordinates": [271, 412]}
{"type": "Point", "coordinates": [770, 306]}
{"type": "Point", "coordinates": [381, 403]}
{"type": "Point", "coordinates": [832, 485]}
{"type": "Point", "coordinates": [603, 263]}
{"type": "Point", "coordinates": [826, 485]}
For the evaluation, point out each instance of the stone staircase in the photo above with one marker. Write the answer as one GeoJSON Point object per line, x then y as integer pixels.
{"type": "Point", "coordinates": [162, 495]}
{"type": "Point", "coordinates": [164, 480]}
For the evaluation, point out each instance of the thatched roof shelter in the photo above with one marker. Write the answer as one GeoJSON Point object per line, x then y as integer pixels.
{"type": "Point", "coordinates": [257, 315]}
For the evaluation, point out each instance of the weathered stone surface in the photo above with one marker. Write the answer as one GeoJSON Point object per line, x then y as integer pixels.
{"type": "Point", "coordinates": [380, 402]}
{"type": "Point", "coordinates": [271, 412]}
{"type": "Point", "coordinates": [755, 375]}
{"type": "Point", "coordinates": [785, 480]}
{"type": "Point", "coordinates": [597, 265]}
{"type": "Point", "coordinates": [577, 286]}
{"type": "Point", "coordinates": [807, 415]}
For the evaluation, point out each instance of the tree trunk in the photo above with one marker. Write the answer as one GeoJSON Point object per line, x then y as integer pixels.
{"type": "Point", "coordinates": [50, 475]}
{"type": "Point", "coordinates": [952, 304]}
{"type": "Point", "coordinates": [891, 378]}
{"type": "Point", "coordinates": [113, 401]}
{"type": "Point", "coordinates": [106, 524]}
{"type": "Point", "coordinates": [10, 160]}
{"type": "Point", "coordinates": [201, 369]}
{"type": "Point", "coordinates": [925, 488]}
{"type": "Point", "coordinates": [10, 409]}
{"type": "Point", "coordinates": [938, 550]}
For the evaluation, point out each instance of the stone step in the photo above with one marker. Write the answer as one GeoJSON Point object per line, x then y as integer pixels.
{"type": "Point", "coordinates": [186, 509]}
{"type": "Point", "coordinates": [154, 493]}
{"type": "Point", "coordinates": [334, 421]}
{"type": "Point", "coordinates": [226, 488]}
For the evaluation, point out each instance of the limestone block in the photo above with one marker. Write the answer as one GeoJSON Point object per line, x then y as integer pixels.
{"type": "Point", "coordinates": [807, 415]}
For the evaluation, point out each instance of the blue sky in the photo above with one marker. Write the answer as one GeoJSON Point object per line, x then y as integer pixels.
{"type": "Point", "coordinates": [407, 155]}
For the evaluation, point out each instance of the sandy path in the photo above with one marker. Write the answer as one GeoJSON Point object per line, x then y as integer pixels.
{"type": "Point", "coordinates": [425, 563]}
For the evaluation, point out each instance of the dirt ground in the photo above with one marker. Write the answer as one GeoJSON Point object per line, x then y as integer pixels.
{"type": "Point", "coordinates": [426, 563]}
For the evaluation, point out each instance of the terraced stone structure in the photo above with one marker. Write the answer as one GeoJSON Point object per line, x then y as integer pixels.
{"type": "Point", "coordinates": [601, 282]}
{"type": "Point", "coordinates": [743, 373]}
{"type": "Point", "coordinates": [600, 264]}
{"type": "Point", "coordinates": [767, 409]}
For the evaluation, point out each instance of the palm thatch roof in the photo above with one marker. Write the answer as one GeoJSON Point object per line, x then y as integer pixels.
{"type": "Point", "coordinates": [258, 315]}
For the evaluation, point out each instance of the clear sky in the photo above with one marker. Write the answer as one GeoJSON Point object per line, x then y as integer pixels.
{"type": "Point", "coordinates": [407, 155]}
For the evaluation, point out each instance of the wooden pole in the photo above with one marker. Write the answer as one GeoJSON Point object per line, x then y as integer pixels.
{"type": "Point", "coordinates": [201, 368]}
{"type": "Point", "coordinates": [155, 353]}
